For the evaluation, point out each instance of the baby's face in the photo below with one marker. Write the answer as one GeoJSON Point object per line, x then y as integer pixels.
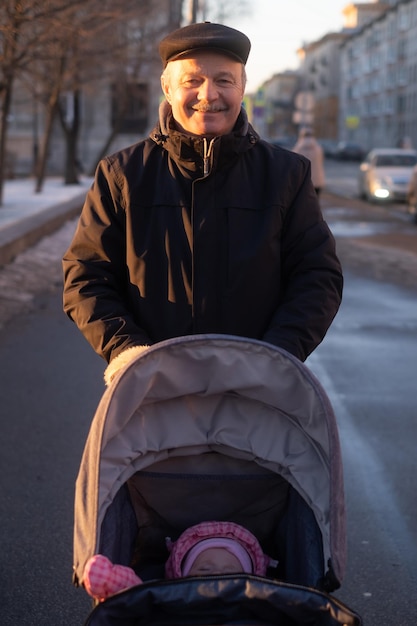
{"type": "Point", "coordinates": [215, 561]}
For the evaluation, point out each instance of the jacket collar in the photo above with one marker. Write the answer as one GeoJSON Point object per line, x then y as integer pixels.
{"type": "Point", "coordinates": [194, 154]}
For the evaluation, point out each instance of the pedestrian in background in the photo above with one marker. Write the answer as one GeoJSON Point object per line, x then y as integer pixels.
{"type": "Point", "coordinates": [308, 146]}
{"type": "Point", "coordinates": [405, 143]}
{"type": "Point", "coordinates": [202, 227]}
{"type": "Point", "coordinates": [412, 194]}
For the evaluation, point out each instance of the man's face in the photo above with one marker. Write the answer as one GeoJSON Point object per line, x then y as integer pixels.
{"type": "Point", "coordinates": [205, 92]}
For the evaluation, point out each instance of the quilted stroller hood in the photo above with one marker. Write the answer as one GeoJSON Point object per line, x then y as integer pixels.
{"type": "Point", "coordinates": [216, 393]}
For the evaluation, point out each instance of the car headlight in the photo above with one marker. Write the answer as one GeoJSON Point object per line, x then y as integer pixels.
{"type": "Point", "coordinates": [382, 187]}
{"type": "Point", "coordinates": [381, 193]}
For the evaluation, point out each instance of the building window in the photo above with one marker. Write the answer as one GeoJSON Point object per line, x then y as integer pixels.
{"type": "Point", "coordinates": [389, 104]}
{"type": "Point", "coordinates": [402, 75]}
{"type": "Point", "coordinates": [129, 111]}
{"type": "Point", "coordinates": [401, 103]}
{"type": "Point", "coordinates": [402, 20]}
{"type": "Point", "coordinates": [391, 52]}
{"type": "Point", "coordinates": [402, 48]}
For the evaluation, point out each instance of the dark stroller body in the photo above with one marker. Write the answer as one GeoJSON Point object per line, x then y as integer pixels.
{"type": "Point", "coordinates": [215, 427]}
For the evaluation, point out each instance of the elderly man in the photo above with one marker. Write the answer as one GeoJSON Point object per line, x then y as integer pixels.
{"type": "Point", "coordinates": [202, 227]}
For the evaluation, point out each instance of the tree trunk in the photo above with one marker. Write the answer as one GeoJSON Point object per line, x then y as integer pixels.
{"type": "Point", "coordinates": [117, 124]}
{"type": "Point", "coordinates": [43, 155]}
{"type": "Point", "coordinates": [104, 150]}
{"type": "Point", "coordinates": [5, 110]}
{"type": "Point", "coordinates": [51, 111]}
{"type": "Point", "coordinates": [70, 125]}
{"type": "Point", "coordinates": [8, 58]}
{"type": "Point", "coordinates": [72, 166]}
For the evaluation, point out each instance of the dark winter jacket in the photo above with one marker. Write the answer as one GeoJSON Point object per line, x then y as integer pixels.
{"type": "Point", "coordinates": [179, 236]}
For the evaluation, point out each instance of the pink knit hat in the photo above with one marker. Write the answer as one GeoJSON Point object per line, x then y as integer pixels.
{"type": "Point", "coordinates": [233, 537]}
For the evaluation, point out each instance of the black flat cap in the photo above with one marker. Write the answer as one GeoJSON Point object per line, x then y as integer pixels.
{"type": "Point", "coordinates": [204, 36]}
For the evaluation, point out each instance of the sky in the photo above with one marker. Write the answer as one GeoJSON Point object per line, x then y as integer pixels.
{"type": "Point", "coordinates": [277, 28]}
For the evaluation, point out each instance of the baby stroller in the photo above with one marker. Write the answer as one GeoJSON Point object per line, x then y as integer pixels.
{"type": "Point", "coordinates": [218, 427]}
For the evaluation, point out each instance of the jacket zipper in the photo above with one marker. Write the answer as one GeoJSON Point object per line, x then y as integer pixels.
{"type": "Point", "coordinates": [208, 148]}
{"type": "Point", "coordinates": [207, 153]}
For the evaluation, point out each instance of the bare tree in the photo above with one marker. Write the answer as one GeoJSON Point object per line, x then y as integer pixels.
{"type": "Point", "coordinates": [59, 70]}
{"type": "Point", "coordinates": [56, 48]}
{"type": "Point", "coordinates": [131, 40]}
{"type": "Point", "coordinates": [15, 44]}
{"type": "Point", "coordinates": [51, 101]}
{"type": "Point", "coordinates": [101, 40]}
{"type": "Point", "coordinates": [26, 32]}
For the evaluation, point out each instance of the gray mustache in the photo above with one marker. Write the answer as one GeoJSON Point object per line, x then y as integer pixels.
{"type": "Point", "coordinates": [207, 108]}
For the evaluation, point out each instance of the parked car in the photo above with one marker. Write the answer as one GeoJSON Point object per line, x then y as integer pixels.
{"type": "Point", "coordinates": [329, 147]}
{"type": "Point", "coordinates": [385, 174]}
{"type": "Point", "coordinates": [348, 151]}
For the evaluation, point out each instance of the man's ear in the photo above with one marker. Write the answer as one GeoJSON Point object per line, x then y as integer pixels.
{"type": "Point", "coordinates": [165, 88]}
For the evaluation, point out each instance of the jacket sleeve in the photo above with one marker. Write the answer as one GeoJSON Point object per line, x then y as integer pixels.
{"type": "Point", "coordinates": [311, 274]}
{"type": "Point", "coordinates": [95, 271]}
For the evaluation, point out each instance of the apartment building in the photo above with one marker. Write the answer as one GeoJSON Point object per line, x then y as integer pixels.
{"type": "Point", "coordinates": [279, 94]}
{"type": "Point", "coordinates": [320, 77]}
{"type": "Point", "coordinates": [360, 83]}
{"type": "Point", "coordinates": [378, 92]}
{"type": "Point", "coordinates": [322, 74]}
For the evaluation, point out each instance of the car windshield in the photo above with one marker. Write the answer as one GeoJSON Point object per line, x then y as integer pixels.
{"type": "Point", "coordinates": [395, 160]}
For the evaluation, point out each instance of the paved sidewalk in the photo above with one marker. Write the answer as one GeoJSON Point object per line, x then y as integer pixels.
{"type": "Point", "coordinates": [26, 216]}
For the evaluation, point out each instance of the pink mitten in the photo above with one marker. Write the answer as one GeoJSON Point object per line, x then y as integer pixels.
{"type": "Point", "coordinates": [103, 579]}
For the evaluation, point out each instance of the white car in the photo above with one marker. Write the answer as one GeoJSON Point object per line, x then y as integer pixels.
{"type": "Point", "coordinates": [385, 174]}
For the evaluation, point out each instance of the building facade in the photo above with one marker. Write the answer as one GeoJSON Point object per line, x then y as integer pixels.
{"type": "Point", "coordinates": [320, 76]}
{"type": "Point", "coordinates": [358, 84]}
{"type": "Point", "coordinates": [378, 93]}
{"type": "Point", "coordinates": [279, 95]}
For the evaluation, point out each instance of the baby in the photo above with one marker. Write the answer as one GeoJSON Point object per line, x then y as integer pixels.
{"type": "Point", "coordinates": [204, 549]}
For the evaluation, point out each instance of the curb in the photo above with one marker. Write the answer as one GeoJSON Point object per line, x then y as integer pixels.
{"type": "Point", "coordinates": [21, 235]}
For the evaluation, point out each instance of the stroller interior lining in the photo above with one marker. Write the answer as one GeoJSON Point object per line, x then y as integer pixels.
{"type": "Point", "coordinates": [182, 491]}
{"type": "Point", "coordinates": [176, 493]}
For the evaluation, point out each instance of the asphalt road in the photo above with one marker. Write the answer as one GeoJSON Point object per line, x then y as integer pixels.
{"type": "Point", "coordinates": [50, 385]}
{"type": "Point", "coordinates": [52, 381]}
{"type": "Point", "coordinates": [367, 364]}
